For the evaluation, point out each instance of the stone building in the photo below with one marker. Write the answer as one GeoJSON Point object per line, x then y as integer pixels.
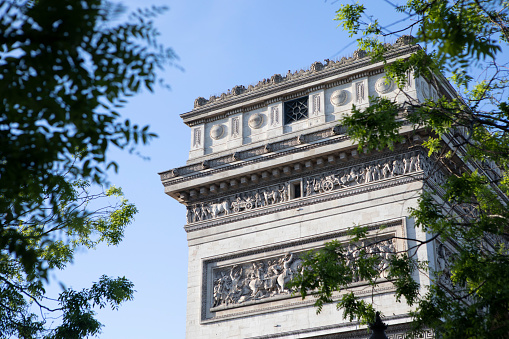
{"type": "Point", "coordinates": [270, 175]}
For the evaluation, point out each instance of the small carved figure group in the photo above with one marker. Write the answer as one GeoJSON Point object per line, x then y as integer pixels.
{"type": "Point", "coordinates": [385, 250]}
{"type": "Point", "coordinates": [238, 203]}
{"type": "Point", "coordinates": [363, 174]}
{"type": "Point", "coordinates": [253, 281]}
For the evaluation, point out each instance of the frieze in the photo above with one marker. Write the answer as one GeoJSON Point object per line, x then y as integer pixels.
{"type": "Point", "coordinates": [255, 280]}
{"type": "Point", "coordinates": [248, 283]}
{"type": "Point", "coordinates": [327, 181]}
{"type": "Point", "coordinates": [298, 203]}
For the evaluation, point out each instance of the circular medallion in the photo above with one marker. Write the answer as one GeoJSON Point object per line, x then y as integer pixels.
{"type": "Point", "coordinates": [216, 131]}
{"type": "Point", "coordinates": [255, 120]}
{"type": "Point", "coordinates": [382, 87]}
{"type": "Point", "coordinates": [339, 97]}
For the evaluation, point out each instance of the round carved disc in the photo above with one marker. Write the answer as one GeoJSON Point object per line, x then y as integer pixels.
{"type": "Point", "coordinates": [382, 87]}
{"type": "Point", "coordinates": [255, 120]}
{"type": "Point", "coordinates": [216, 131]}
{"type": "Point", "coordinates": [339, 97]}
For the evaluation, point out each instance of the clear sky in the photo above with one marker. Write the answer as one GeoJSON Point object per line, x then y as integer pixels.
{"type": "Point", "coordinates": [221, 43]}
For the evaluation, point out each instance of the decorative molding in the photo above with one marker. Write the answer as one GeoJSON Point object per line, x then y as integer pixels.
{"type": "Point", "coordinates": [359, 92]}
{"type": "Point", "coordinates": [274, 116]}
{"type": "Point", "coordinates": [195, 169]}
{"type": "Point", "coordinates": [316, 104]}
{"type": "Point", "coordinates": [397, 331]}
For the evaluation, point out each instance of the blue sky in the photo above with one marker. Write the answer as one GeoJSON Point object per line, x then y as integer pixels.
{"type": "Point", "coordinates": [221, 43]}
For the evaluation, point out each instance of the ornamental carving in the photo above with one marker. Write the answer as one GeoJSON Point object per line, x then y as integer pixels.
{"type": "Point", "coordinates": [274, 116]}
{"type": "Point", "coordinates": [266, 279]}
{"type": "Point", "coordinates": [383, 85]}
{"type": "Point", "coordinates": [216, 132]}
{"type": "Point", "coordinates": [359, 92]}
{"type": "Point", "coordinates": [235, 127]}
{"type": "Point", "coordinates": [323, 183]}
{"type": "Point", "coordinates": [197, 137]}
{"type": "Point", "coordinates": [365, 173]}
{"type": "Point", "coordinates": [339, 97]}
{"type": "Point", "coordinates": [255, 120]}
{"type": "Point", "coordinates": [316, 104]}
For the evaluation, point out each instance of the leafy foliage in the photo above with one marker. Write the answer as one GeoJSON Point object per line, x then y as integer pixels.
{"type": "Point", "coordinates": [22, 292]}
{"type": "Point", "coordinates": [66, 67]}
{"type": "Point", "coordinates": [468, 139]}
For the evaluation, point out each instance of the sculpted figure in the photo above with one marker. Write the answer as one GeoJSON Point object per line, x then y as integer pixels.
{"type": "Point", "coordinates": [236, 285]}
{"type": "Point", "coordinates": [266, 197]}
{"type": "Point", "coordinates": [283, 193]}
{"type": "Point", "coordinates": [270, 281]}
{"type": "Point", "coordinates": [204, 211]}
{"type": "Point", "coordinates": [196, 213]}
{"type": "Point", "coordinates": [257, 200]}
{"type": "Point", "coordinates": [368, 174]}
{"type": "Point", "coordinates": [413, 163]}
{"type": "Point", "coordinates": [386, 170]}
{"type": "Point", "coordinates": [256, 281]}
{"type": "Point", "coordinates": [216, 209]}
{"type": "Point", "coordinates": [395, 168]}
{"type": "Point", "coordinates": [406, 165]}
{"type": "Point", "coordinates": [286, 273]}
{"type": "Point", "coordinates": [309, 188]}
{"type": "Point", "coordinates": [221, 288]}
{"type": "Point", "coordinates": [376, 172]}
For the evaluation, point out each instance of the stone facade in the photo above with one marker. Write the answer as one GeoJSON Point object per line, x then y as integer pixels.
{"type": "Point", "coordinates": [260, 192]}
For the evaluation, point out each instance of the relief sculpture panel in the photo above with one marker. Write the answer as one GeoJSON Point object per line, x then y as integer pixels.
{"type": "Point", "coordinates": [267, 279]}
{"type": "Point", "coordinates": [328, 181]}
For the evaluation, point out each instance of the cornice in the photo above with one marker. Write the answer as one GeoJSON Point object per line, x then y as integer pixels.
{"type": "Point", "coordinates": [297, 144]}
{"type": "Point", "coordinates": [277, 83]}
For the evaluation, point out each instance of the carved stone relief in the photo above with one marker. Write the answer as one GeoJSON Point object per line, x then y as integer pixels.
{"type": "Point", "coordinates": [197, 138]}
{"type": "Point", "coordinates": [256, 121]}
{"type": "Point", "coordinates": [274, 116]}
{"type": "Point", "coordinates": [339, 97]}
{"type": "Point", "coordinates": [217, 131]}
{"type": "Point", "coordinates": [382, 87]}
{"type": "Point", "coordinates": [267, 278]}
{"type": "Point", "coordinates": [365, 173]}
{"type": "Point", "coordinates": [409, 83]}
{"type": "Point", "coordinates": [316, 104]}
{"type": "Point", "coordinates": [359, 92]}
{"type": "Point", "coordinates": [235, 126]}
{"type": "Point", "coordinates": [322, 183]}
{"type": "Point", "coordinates": [442, 265]}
